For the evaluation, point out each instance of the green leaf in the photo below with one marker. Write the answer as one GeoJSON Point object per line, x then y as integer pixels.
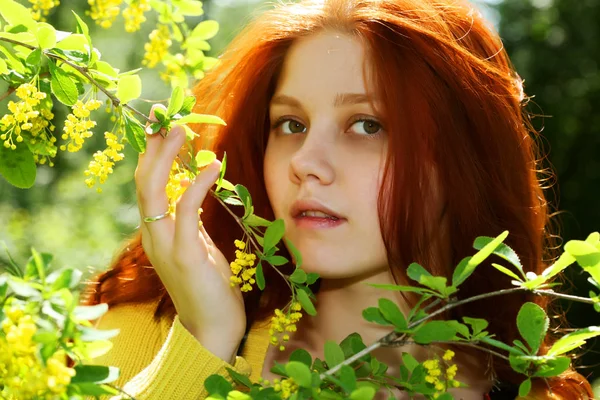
{"type": "Point", "coordinates": [17, 166]}
{"type": "Point", "coordinates": [477, 324]}
{"type": "Point", "coordinates": [95, 374]}
{"type": "Point", "coordinates": [188, 104]}
{"type": "Point", "coordinates": [23, 289]}
{"type": "Point", "coordinates": [363, 393]}
{"type": "Point", "coordinates": [176, 101]}
{"type": "Point", "coordinates": [83, 29]}
{"type": "Point", "coordinates": [62, 85]}
{"type": "Point", "coordinates": [347, 378]}
{"type": "Point", "coordinates": [507, 271]}
{"type": "Point", "coordinates": [66, 278]}
{"type": "Point", "coordinates": [503, 251]}
{"type": "Point", "coordinates": [435, 331]}
{"type": "Point", "coordinates": [416, 272]}
{"type": "Point", "coordinates": [93, 389]}
{"type": "Point", "coordinates": [409, 361]}
{"type": "Point", "coordinates": [300, 373]}
{"type": "Point", "coordinates": [90, 313]}
{"type": "Point", "coordinates": [216, 384]}
{"type": "Point", "coordinates": [134, 132]}
{"type": "Point", "coordinates": [392, 313]}
{"type": "Point", "coordinates": [488, 246]}
{"type": "Point", "coordinates": [200, 119]}
{"type": "Point", "coordinates": [12, 268]}
{"type": "Point", "coordinates": [189, 7]}
{"type": "Point", "coordinates": [295, 253]}
{"type": "Point", "coordinates": [34, 59]}
{"type": "Point", "coordinates": [311, 278]}
{"type": "Point", "coordinates": [573, 340]}
{"type": "Point", "coordinates": [37, 265]}
{"type": "Point", "coordinates": [204, 158]}
{"type": "Point", "coordinates": [501, 345]}
{"type": "Point", "coordinates": [302, 356]}
{"type": "Point", "coordinates": [91, 334]}
{"type": "Point", "coordinates": [129, 88]}
{"type": "Point", "coordinates": [273, 234]}
{"type": "Point", "coordinates": [260, 277]}
{"type": "Point", "coordinates": [205, 30]}
{"type": "Point", "coordinates": [525, 387]}
{"type": "Point", "coordinates": [239, 378]}
{"type": "Point", "coordinates": [532, 323]}
{"type": "Point", "coordinates": [255, 220]}
{"type": "Point", "coordinates": [298, 276]}
{"type": "Point", "coordinates": [373, 314]}
{"type": "Point", "coordinates": [553, 367]}
{"type": "Point", "coordinates": [3, 67]}
{"type": "Point", "coordinates": [334, 354]}
{"type": "Point", "coordinates": [305, 302]}
{"type": "Point", "coordinates": [16, 14]}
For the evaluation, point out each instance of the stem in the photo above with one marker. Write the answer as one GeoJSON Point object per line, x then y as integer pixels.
{"type": "Point", "coordinates": [8, 93]}
{"type": "Point", "coordinates": [564, 296]}
{"type": "Point", "coordinates": [468, 344]}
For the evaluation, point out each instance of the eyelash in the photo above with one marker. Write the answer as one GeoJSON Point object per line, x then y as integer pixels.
{"type": "Point", "coordinates": [283, 119]}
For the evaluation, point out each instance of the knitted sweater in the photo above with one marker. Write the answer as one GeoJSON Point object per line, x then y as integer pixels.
{"type": "Point", "coordinates": [160, 359]}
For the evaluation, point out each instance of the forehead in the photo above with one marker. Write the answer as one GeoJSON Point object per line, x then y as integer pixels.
{"type": "Point", "coordinates": [328, 62]}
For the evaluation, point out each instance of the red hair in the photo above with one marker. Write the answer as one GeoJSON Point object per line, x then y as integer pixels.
{"type": "Point", "coordinates": [453, 106]}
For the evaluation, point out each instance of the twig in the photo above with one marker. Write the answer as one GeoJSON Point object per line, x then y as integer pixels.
{"type": "Point", "coordinates": [8, 93]}
{"type": "Point", "coordinates": [468, 344]}
{"type": "Point", "coordinates": [83, 71]}
{"type": "Point", "coordinates": [565, 296]}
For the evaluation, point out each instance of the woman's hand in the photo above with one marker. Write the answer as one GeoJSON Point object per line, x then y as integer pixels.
{"type": "Point", "coordinates": [192, 268]}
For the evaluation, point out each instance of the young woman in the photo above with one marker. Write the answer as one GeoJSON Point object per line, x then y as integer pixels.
{"type": "Point", "coordinates": [383, 132]}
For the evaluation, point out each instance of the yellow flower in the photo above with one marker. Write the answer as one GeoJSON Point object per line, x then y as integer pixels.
{"type": "Point", "coordinates": [451, 372]}
{"type": "Point", "coordinates": [104, 12]}
{"type": "Point", "coordinates": [448, 355]}
{"type": "Point", "coordinates": [158, 46]}
{"type": "Point", "coordinates": [103, 162]}
{"type": "Point", "coordinates": [41, 8]}
{"type": "Point", "coordinates": [77, 126]}
{"type": "Point", "coordinates": [29, 119]}
{"type": "Point", "coordinates": [134, 14]}
{"type": "Point", "coordinates": [241, 268]}
{"type": "Point", "coordinates": [283, 322]}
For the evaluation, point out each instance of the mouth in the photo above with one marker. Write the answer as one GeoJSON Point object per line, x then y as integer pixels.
{"type": "Point", "coordinates": [313, 213]}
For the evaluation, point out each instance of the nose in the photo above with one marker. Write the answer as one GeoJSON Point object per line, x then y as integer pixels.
{"type": "Point", "coordinates": [314, 160]}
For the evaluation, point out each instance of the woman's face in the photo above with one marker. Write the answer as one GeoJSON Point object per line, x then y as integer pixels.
{"type": "Point", "coordinates": [324, 158]}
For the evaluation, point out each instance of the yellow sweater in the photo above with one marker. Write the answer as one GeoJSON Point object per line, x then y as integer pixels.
{"type": "Point", "coordinates": [159, 359]}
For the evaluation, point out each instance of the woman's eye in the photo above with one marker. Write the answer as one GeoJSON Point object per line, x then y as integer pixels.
{"type": "Point", "coordinates": [368, 126]}
{"type": "Point", "coordinates": [289, 126]}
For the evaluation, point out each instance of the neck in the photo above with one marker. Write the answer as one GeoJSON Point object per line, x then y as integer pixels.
{"type": "Point", "coordinates": [339, 305]}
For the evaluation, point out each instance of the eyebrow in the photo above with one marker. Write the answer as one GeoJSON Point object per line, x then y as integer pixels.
{"type": "Point", "coordinates": [341, 99]}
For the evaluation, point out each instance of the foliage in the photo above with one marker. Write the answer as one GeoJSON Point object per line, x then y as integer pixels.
{"type": "Point", "coordinates": [46, 336]}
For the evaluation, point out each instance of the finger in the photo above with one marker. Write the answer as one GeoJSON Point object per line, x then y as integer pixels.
{"type": "Point", "coordinates": [153, 141]}
{"type": "Point", "coordinates": [186, 223]}
{"type": "Point", "coordinates": [152, 197]}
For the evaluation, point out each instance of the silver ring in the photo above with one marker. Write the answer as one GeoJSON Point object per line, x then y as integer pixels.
{"type": "Point", "coordinates": [157, 218]}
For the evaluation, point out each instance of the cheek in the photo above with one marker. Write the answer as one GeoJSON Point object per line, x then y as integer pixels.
{"type": "Point", "coordinates": [275, 171]}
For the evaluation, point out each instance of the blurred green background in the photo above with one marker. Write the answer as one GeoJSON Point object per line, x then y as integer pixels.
{"type": "Point", "coordinates": [554, 45]}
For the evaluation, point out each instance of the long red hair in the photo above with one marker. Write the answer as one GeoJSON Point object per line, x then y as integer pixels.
{"type": "Point", "coordinates": [453, 105]}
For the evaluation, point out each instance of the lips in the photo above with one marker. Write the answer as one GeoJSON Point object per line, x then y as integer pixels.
{"type": "Point", "coordinates": [314, 209]}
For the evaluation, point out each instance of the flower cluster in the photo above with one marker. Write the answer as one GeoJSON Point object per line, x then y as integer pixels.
{"type": "Point", "coordinates": [29, 122]}
{"type": "Point", "coordinates": [158, 46]}
{"type": "Point", "coordinates": [242, 268]}
{"type": "Point", "coordinates": [434, 373]}
{"type": "Point", "coordinates": [134, 14]}
{"type": "Point", "coordinates": [22, 374]}
{"type": "Point", "coordinates": [77, 126]}
{"type": "Point", "coordinates": [175, 186]}
{"type": "Point", "coordinates": [285, 387]}
{"type": "Point", "coordinates": [41, 8]}
{"type": "Point", "coordinates": [175, 70]}
{"type": "Point", "coordinates": [284, 322]}
{"type": "Point", "coordinates": [102, 164]}
{"type": "Point", "coordinates": [104, 12]}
